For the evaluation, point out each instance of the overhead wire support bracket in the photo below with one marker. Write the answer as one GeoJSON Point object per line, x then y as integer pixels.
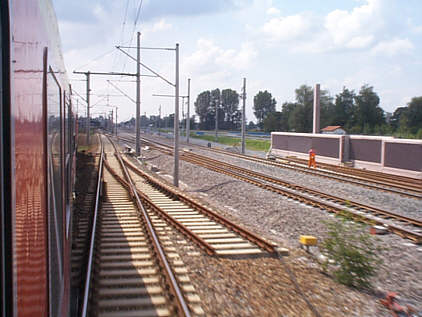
{"type": "Point", "coordinates": [73, 90]}
{"type": "Point", "coordinates": [88, 89]}
{"type": "Point", "coordinates": [105, 73]}
{"type": "Point", "coordinates": [149, 48]}
{"type": "Point", "coordinates": [126, 95]}
{"type": "Point", "coordinates": [158, 95]}
{"type": "Point", "coordinates": [146, 67]}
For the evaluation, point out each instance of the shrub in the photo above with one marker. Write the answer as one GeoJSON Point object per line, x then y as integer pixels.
{"type": "Point", "coordinates": [352, 253]}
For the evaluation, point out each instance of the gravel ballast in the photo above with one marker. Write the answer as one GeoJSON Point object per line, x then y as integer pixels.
{"type": "Point", "coordinates": [283, 221]}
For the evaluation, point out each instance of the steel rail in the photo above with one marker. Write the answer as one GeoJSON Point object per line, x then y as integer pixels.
{"type": "Point", "coordinates": [372, 175]}
{"type": "Point", "coordinates": [183, 309]}
{"type": "Point", "coordinates": [213, 215]}
{"type": "Point", "coordinates": [183, 229]}
{"type": "Point", "coordinates": [248, 235]}
{"type": "Point", "coordinates": [375, 210]}
{"type": "Point", "coordinates": [93, 234]}
{"type": "Point", "coordinates": [329, 173]}
{"type": "Point", "coordinates": [416, 237]}
{"type": "Point", "coordinates": [310, 191]}
{"type": "Point", "coordinates": [340, 176]}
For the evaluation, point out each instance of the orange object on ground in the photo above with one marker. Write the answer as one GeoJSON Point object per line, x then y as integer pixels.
{"type": "Point", "coordinates": [395, 308]}
{"type": "Point", "coordinates": [311, 161]}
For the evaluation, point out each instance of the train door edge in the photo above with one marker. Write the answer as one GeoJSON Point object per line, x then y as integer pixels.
{"type": "Point", "coordinates": [7, 289]}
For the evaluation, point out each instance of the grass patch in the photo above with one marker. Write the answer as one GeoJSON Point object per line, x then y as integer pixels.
{"type": "Point", "coordinates": [82, 148]}
{"type": "Point", "coordinates": [251, 144]}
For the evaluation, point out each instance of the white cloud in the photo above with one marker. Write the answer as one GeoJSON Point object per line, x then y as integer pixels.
{"type": "Point", "coordinates": [417, 29]}
{"type": "Point", "coordinates": [286, 28]}
{"type": "Point", "coordinates": [210, 58]}
{"type": "Point", "coordinates": [393, 47]}
{"type": "Point", "coordinates": [371, 26]}
{"type": "Point", "coordinates": [360, 41]}
{"type": "Point", "coordinates": [99, 12]}
{"type": "Point", "coordinates": [354, 29]}
{"type": "Point", "coordinates": [273, 11]}
{"type": "Point", "coordinates": [161, 25]}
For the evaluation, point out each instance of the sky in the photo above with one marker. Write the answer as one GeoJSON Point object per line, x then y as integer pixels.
{"type": "Point", "coordinates": [277, 45]}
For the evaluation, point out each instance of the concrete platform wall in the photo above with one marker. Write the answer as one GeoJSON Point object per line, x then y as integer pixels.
{"type": "Point", "coordinates": [383, 154]}
{"type": "Point", "coordinates": [328, 147]}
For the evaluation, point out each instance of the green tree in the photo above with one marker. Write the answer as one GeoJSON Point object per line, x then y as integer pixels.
{"type": "Point", "coordinates": [263, 104]}
{"type": "Point", "coordinates": [344, 108]}
{"type": "Point", "coordinates": [287, 109]}
{"type": "Point", "coordinates": [300, 114]}
{"type": "Point", "coordinates": [216, 100]}
{"type": "Point", "coordinates": [414, 114]}
{"type": "Point", "coordinates": [368, 113]}
{"type": "Point", "coordinates": [327, 112]}
{"type": "Point", "coordinates": [273, 122]}
{"type": "Point", "coordinates": [397, 117]}
{"type": "Point", "coordinates": [203, 108]}
{"type": "Point", "coordinates": [230, 105]}
{"type": "Point", "coordinates": [251, 125]}
{"type": "Point", "coordinates": [298, 120]}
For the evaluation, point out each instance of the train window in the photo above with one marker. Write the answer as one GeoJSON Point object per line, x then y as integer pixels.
{"type": "Point", "coordinates": [67, 160]}
{"type": "Point", "coordinates": [55, 185]}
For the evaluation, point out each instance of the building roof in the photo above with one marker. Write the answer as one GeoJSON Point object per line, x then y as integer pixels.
{"type": "Point", "coordinates": [331, 128]}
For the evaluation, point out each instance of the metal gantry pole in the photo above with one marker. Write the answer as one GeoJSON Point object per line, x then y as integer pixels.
{"type": "Point", "coordinates": [176, 123]}
{"type": "Point", "coordinates": [217, 103]}
{"type": "Point", "coordinates": [138, 95]}
{"type": "Point", "coordinates": [111, 121]}
{"type": "Point", "coordinates": [188, 114]}
{"type": "Point", "coordinates": [244, 116]}
{"type": "Point", "coordinates": [88, 119]}
{"type": "Point", "coordinates": [317, 109]}
{"type": "Point", "coordinates": [159, 119]}
{"type": "Point", "coordinates": [183, 126]}
{"type": "Point", "coordinates": [116, 122]}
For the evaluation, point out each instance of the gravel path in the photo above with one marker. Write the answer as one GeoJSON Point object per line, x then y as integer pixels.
{"type": "Point", "coordinates": [283, 221]}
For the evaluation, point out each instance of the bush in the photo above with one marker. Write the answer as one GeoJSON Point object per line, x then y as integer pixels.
{"type": "Point", "coordinates": [352, 254]}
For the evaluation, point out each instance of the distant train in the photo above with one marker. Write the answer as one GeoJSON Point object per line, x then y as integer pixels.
{"type": "Point", "coordinates": [37, 155]}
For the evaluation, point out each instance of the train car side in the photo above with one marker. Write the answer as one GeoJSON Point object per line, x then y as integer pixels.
{"type": "Point", "coordinates": [38, 155]}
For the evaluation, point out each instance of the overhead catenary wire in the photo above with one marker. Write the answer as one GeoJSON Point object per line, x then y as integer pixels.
{"type": "Point", "coordinates": [96, 58]}
{"type": "Point", "coordinates": [138, 15]}
{"type": "Point", "coordinates": [116, 56]}
{"type": "Point", "coordinates": [124, 22]}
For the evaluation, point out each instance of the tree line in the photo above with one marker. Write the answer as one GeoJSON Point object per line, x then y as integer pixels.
{"type": "Point", "coordinates": [357, 113]}
{"type": "Point", "coordinates": [224, 103]}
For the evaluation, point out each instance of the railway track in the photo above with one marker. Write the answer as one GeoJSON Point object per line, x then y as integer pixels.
{"type": "Point", "coordinates": [402, 186]}
{"type": "Point", "coordinates": [396, 181]}
{"type": "Point", "coordinates": [205, 227]}
{"type": "Point", "coordinates": [81, 223]}
{"type": "Point", "coordinates": [202, 225]}
{"type": "Point", "coordinates": [133, 269]}
{"type": "Point", "coordinates": [403, 226]}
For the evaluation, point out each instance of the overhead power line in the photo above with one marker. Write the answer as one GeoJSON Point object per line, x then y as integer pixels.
{"type": "Point", "coordinates": [96, 58]}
